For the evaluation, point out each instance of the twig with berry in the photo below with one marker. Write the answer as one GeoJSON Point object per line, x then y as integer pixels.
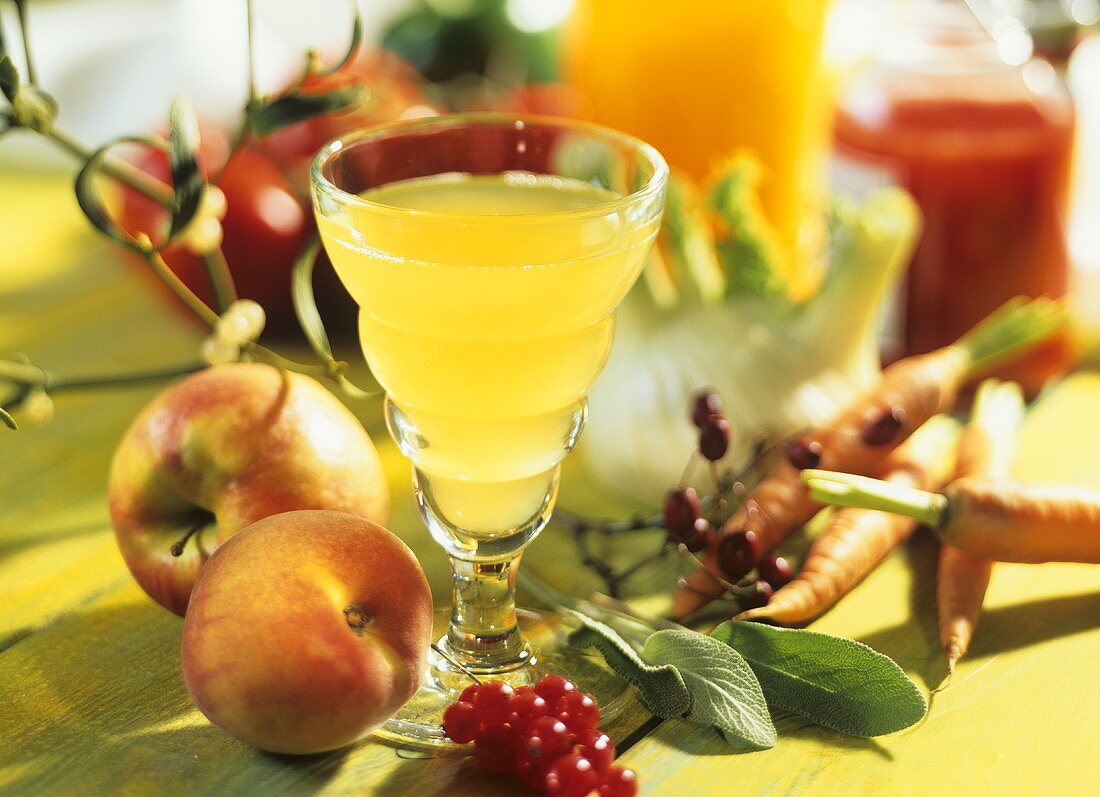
{"type": "Point", "coordinates": [688, 519]}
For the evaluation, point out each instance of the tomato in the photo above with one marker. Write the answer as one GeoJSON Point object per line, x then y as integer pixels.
{"type": "Point", "coordinates": [392, 89]}
{"type": "Point", "coordinates": [266, 224]}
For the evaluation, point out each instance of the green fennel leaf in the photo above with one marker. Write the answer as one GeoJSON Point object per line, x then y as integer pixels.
{"type": "Point", "coordinates": [662, 687]}
{"type": "Point", "coordinates": [724, 691]}
{"type": "Point", "coordinates": [835, 682]}
{"type": "Point", "coordinates": [750, 252]}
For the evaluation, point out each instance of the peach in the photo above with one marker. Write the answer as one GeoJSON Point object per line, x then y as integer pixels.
{"type": "Point", "coordinates": [306, 631]}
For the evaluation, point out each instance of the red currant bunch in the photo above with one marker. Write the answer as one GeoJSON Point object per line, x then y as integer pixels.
{"type": "Point", "coordinates": [546, 734]}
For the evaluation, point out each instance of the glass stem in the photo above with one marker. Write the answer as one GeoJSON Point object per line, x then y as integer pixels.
{"type": "Point", "coordinates": [483, 632]}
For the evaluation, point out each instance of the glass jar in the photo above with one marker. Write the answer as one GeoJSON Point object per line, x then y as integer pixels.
{"type": "Point", "coordinates": [985, 145]}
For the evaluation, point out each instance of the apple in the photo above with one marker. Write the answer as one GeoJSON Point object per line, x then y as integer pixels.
{"type": "Point", "coordinates": [306, 631]}
{"type": "Point", "coordinates": [222, 449]}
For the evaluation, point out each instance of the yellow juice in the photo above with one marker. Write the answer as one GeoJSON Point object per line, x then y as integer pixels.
{"type": "Point", "coordinates": [704, 78]}
{"type": "Point", "coordinates": [486, 314]}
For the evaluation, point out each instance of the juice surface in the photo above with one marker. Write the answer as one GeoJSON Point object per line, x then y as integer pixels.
{"type": "Point", "coordinates": [486, 314]}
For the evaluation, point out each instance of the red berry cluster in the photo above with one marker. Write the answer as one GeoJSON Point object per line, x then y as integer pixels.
{"type": "Point", "coordinates": [546, 734]}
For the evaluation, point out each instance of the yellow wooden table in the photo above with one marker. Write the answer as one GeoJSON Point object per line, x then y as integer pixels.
{"type": "Point", "coordinates": [92, 700]}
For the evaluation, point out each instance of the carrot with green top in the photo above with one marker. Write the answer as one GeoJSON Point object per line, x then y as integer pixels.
{"type": "Point", "coordinates": [857, 540]}
{"type": "Point", "coordinates": [908, 393]}
{"type": "Point", "coordinates": [991, 518]}
{"type": "Point", "coordinates": [985, 450]}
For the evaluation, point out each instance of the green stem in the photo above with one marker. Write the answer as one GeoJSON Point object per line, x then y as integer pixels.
{"type": "Point", "coordinates": [1010, 330]}
{"type": "Point", "coordinates": [120, 170]}
{"type": "Point", "coordinates": [32, 73]}
{"type": "Point", "coordinates": [220, 278]}
{"type": "Point", "coordinates": [252, 94]}
{"type": "Point", "coordinates": [178, 287]}
{"type": "Point", "coordinates": [848, 489]}
{"type": "Point", "coordinates": [25, 374]}
{"type": "Point", "coordinates": [266, 355]}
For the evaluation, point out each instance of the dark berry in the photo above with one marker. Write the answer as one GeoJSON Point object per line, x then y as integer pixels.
{"type": "Point", "coordinates": [571, 776]}
{"type": "Point", "coordinates": [578, 711]}
{"type": "Point", "coordinates": [551, 687]}
{"type": "Point", "coordinates": [495, 748]}
{"type": "Point", "coordinates": [759, 595]}
{"type": "Point", "coordinates": [701, 535]}
{"type": "Point", "coordinates": [775, 570]}
{"type": "Point", "coordinates": [681, 511]}
{"type": "Point", "coordinates": [703, 406]}
{"type": "Point", "coordinates": [491, 700]}
{"type": "Point", "coordinates": [524, 707]}
{"type": "Point", "coordinates": [737, 553]}
{"type": "Point", "coordinates": [619, 782]}
{"type": "Point", "coordinates": [461, 722]}
{"type": "Point", "coordinates": [884, 429]}
{"type": "Point", "coordinates": [597, 747]}
{"type": "Point", "coordinates": [545, 739]}
{"type": "Point", "coordinates": [714, 438]}
{"type": "Point", "coordinates": [804, 453]}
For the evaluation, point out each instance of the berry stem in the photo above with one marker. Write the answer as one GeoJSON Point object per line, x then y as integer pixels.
{"type": "Point", "coordinates": [452, 660]}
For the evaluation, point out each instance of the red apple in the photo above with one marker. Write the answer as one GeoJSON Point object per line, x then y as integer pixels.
{"type": "Point", "coordinates": [306, 631]}
{"type": "Point", "coordinates": [222, 449]}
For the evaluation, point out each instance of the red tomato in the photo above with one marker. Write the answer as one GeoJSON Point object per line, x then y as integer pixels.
{"type": "Point", "coordinates": [392, 88]}
{"type": "Point", "coordinates": [266, 224]}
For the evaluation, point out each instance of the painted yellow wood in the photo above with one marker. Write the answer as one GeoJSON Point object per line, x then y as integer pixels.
{"type": "Point", "coordinates": [91, 698]}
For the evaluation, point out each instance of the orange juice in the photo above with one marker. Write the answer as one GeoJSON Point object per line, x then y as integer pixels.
{"type": "Point", "coordinates": [487, 338]}
{"type": "Point", "coordinates": [703, 78]}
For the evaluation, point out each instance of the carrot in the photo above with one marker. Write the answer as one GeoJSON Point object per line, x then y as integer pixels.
{"type": "Point", "coordinates": [994, 519]}
{"type": "Point", "coordinates": [857, 540]}
{"type": "Point", "coordinates": [908, 393]}
{"type": "Point", "coordinates": [985, 450]}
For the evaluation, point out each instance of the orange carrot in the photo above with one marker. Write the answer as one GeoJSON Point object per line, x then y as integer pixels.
{"type": "Point", "coordinates": [857, 540]}
{"type": "Point", "coordinates": [994, 519]}
{"type": "Point", "coordinates": [985, 450]}
{"type": "Point", "coordinates": [909, 393]}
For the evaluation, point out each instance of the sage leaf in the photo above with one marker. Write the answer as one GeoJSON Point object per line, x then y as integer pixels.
{"type": "Point", "coordinates": [661, 686]}
{"type": "Point", "coordinates": [188, 184]}
{"type": "Point", "coordinates": [724, 691]}
{"type": "Point", "coordinates": [835, 682]}
{"type": "Point", "coordinates": [297, 107]}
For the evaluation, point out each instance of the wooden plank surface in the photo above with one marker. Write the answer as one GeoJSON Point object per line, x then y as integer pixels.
{"type": "Point", "coordinates": [92, 702]}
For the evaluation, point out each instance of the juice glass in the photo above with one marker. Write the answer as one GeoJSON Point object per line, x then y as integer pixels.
{"type": "Point", "coordinates": [487, 254]}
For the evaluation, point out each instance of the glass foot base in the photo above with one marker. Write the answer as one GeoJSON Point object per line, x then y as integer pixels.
{"type": "Point", "coordinates": [419, 722]}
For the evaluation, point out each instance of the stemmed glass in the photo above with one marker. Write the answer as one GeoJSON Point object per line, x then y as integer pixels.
{"type": "Point", "coordinates": [487, 254]}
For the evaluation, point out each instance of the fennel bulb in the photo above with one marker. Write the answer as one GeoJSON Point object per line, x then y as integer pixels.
{"type": "Point", "coordinates": [777, 364]}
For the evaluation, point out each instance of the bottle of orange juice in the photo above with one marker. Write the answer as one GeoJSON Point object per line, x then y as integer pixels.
{"type": "Point", "coordinates": [701, 79]}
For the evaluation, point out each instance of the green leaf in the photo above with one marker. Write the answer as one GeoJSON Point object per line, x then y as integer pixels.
{"type": "Point", "coordinates": [88, 196]}
{"type": "Point", "coordinates": [662, 687]}
{"type": "Point", "coordinates": [724, 691]}
{"type": "Point", "coordinates": [690, 244]}
{"type": "Point", "coordinates": [7, 420]}
{"type": "Point", "coordinates": [183, 153]}
{"type": "Point", "coordinates": [9, 78]}
{"type": "Point", "coordinates": [838, 683]}
{"type": "Point", "coordinates": [297, 107]}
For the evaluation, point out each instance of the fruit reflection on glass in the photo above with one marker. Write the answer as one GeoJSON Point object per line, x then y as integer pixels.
{"type": "Point", "coordinates": [487, 254]}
